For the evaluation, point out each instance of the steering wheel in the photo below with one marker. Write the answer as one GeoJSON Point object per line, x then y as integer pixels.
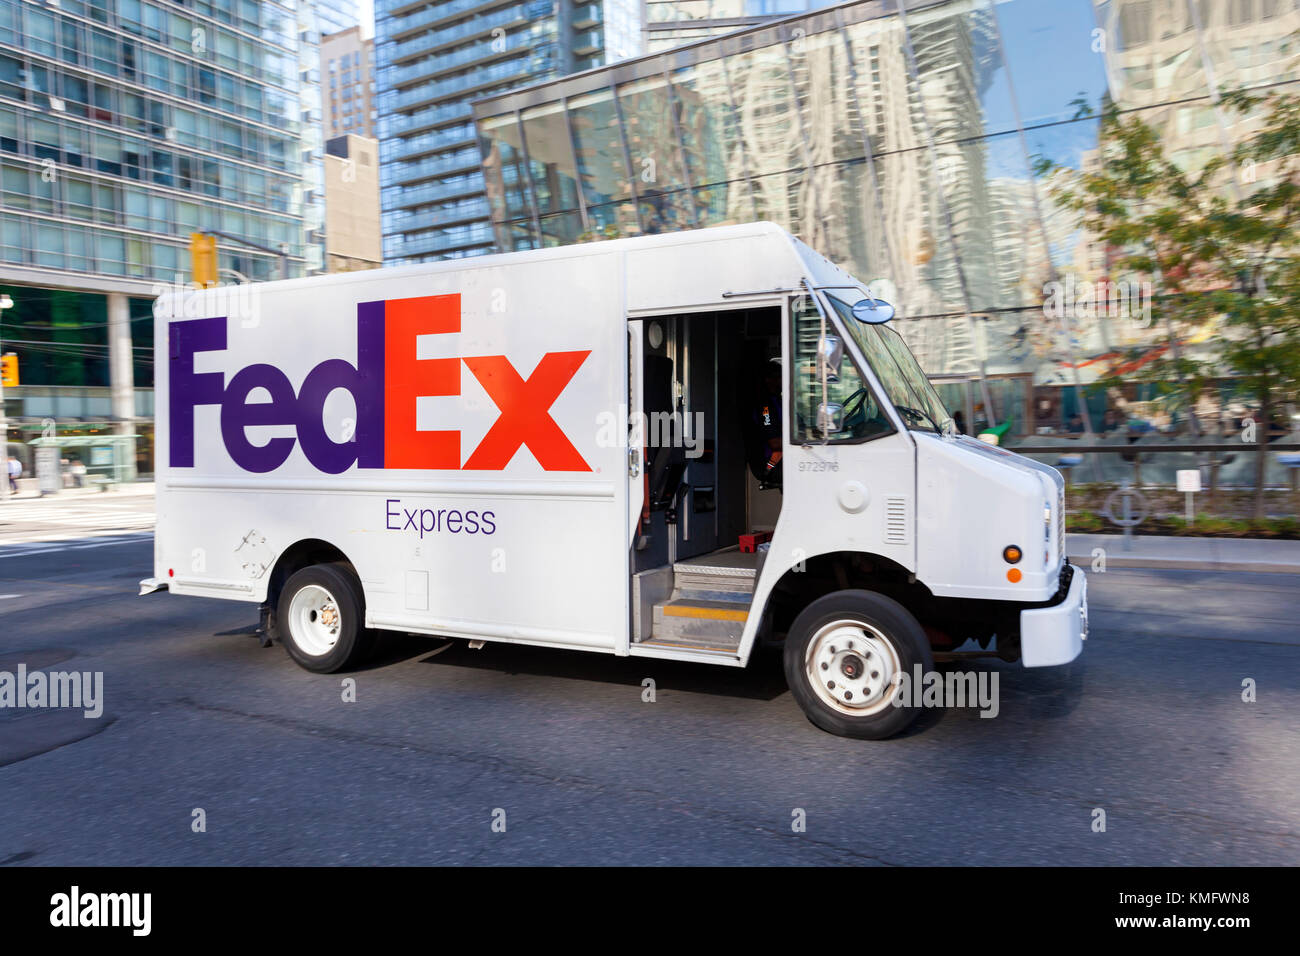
{"type": "Point", "coordinates": [855, 408]}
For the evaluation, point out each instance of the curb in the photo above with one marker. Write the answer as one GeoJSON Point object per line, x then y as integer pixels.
{"type": "Point", "coordinates": [1118, 559]}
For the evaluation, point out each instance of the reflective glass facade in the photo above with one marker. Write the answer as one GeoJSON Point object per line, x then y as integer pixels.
{"type": "Point", "coordinates": [126, 125]}
{"type": "Point", "coordinates": [316, 18]}
{"type": "Point", "coordinates": [672, 23]}
{"type": "Point", "coordinates": [61, 337]}
{"type": "Point", "coordinates": [900, 140]}
{"type": "Point", "coordinates": [434, 58]}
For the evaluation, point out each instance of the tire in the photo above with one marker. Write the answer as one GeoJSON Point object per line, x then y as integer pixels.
{"type": "Point", "coordinates": [833, 655]}
{"type": "Point", "coordinates": [320, 619]}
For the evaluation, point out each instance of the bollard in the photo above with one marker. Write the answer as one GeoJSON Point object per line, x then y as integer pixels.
{"type": "Point", "coordinates": [1128, 512]}
{"type": "Point", "coordinates": [1127, 520]}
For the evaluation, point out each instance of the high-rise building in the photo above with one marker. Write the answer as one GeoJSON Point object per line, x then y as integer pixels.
{"type": "Point", "coordinates": [125, 127]}
{"type": "Point", "coordinates": [434, 57]}
{"type": "Point", "coordinates": [347, 70]}
{"type": "Point", "coordinates": [672, 23]}
{"type": "Point", "coordinates": [352, 237]}
{"type": "Point", "coordinates": [316, 19]}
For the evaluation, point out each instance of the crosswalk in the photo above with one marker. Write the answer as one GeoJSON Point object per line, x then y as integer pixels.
{"type": "Point", "coordinates": [44, 524]}
{"type": "Point", "coordinates": [30, 549]}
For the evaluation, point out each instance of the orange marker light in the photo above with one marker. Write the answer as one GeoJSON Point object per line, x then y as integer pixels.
{"type": "Point", "coordinates": [1013, 575]}
{"type": "Point", "coordinates": [1011, 554]}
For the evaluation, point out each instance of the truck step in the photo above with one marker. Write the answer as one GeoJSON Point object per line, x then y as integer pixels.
{"type": "Point", "coordinates": [700, 624]}
{"type": "Point", "coordinates": [724, 572]}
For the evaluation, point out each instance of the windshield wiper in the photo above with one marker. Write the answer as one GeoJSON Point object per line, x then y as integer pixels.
{"type": "Point", "coordinates": [920, 414]}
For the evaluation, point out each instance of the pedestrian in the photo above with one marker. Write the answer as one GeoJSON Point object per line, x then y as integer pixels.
{"type": "Point", "coordinates": [15, 468]}
{"type": "Point", "coordinates": [78, 473]}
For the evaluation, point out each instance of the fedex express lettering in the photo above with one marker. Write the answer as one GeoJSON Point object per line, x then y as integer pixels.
{"type": "Point", "coordinates": [424, 521]}
{"type": "Point", "coordinates": [385, 384]}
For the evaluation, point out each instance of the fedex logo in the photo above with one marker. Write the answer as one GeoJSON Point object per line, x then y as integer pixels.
{"type": "Point", "coordinates": [384, 383]}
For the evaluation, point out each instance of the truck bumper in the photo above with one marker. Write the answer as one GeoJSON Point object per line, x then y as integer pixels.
{"type": "Point", "coordinates": [1055, 634]}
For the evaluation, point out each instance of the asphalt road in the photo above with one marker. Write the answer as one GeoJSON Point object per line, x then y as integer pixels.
{"type": "Point", "coordinates": [1148, 726]}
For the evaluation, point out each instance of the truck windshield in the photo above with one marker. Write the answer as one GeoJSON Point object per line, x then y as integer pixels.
{"type": "Point", "coordinates": [894, 364]}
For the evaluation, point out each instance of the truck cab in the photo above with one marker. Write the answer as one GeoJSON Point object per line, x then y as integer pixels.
{"type": "Point", "coordinates": [894, 539]}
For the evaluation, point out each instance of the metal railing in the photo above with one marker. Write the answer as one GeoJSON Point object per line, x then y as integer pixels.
{"type": "Point", "coordinates": [1228, 462]}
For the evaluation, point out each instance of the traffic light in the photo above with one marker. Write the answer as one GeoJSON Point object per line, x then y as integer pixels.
{"type": "Point", "coordinates": [9, 370]}
{"type": "Point", "coordinates": [203, 259]}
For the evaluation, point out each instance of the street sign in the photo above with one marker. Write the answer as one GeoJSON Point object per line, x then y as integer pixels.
{"type": "Point", "coordinates": [9, 370]}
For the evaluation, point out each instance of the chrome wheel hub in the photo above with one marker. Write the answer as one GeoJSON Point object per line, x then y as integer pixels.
{"type": "Point", "coordinates": [852, 667]}
{"type": "Point", "coordinates": [315, 620]}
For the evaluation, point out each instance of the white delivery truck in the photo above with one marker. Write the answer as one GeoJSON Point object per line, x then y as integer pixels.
{"type": "Point", "coordinates": [574, 448]}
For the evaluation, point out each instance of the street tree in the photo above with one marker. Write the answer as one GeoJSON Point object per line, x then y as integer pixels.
{"type": "Point", "coordinates": [1218, 242]}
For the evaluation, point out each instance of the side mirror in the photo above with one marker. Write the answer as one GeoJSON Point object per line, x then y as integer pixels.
{"type": "Point", "coordinates": [830, 356]}
{"type": "Point", "coordinates": [830, 417]}
{"type": "Point", "coordinates": [873, 311]}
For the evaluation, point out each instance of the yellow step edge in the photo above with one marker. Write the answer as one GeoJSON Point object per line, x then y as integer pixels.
{"type": "Point", "coordinates": [705, 613]}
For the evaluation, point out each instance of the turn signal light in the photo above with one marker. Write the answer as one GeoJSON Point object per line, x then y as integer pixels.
{"type": "Point", "coordinates": [1013, 575]}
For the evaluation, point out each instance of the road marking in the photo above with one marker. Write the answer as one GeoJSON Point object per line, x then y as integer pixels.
{"type": "Point", "coordinates": [6, 597]}
{"type": "Point", "coordinates": [25, 550]}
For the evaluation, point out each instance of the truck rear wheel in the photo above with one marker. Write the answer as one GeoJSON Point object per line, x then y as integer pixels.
{"type": "Point", "coordinates": [320, 618]}
{"type": "Point", "coordinates": [843, 656]}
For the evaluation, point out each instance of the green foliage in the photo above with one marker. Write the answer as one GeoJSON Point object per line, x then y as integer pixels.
{"type": "Point", "coordinates": [1087, 522]}
{"type": "Point", "coordinates": [1219, 244]}
{"type": "Point", "coordinates": [1208, 526]}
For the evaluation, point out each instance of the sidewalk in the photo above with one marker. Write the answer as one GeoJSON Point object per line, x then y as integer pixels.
{"type": "Point", "coordinates": [28, 490]}
{"type": "Point", "coordinates": [1149, 551]}
{"type": "Point", "coordinates": [1195, 554]}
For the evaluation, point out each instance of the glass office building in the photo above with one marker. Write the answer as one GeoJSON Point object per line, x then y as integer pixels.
{"type": "Point", "coordinates": [434, 58]}
{"type": "Point", "coordinates": [901, 140]}
{"type": "Point", "coordinates": [672, 23]}
{"type": "Point", "coordinates": [316, 19]}
{"type": "Point", "coordinates": [125, 125]}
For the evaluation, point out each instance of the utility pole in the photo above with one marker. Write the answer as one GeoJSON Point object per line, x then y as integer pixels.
{"type": "Point", "coordinates": [5, 303]}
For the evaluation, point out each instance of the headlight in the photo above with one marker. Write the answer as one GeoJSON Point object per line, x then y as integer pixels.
{"type": "Point", "coordinates": [1047, 532]}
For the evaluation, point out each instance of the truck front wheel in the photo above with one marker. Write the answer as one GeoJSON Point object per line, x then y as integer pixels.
{"type": "Point", "coordinates": [320, 618]}
{"type": "Point", "coordinates": [843, 657]}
